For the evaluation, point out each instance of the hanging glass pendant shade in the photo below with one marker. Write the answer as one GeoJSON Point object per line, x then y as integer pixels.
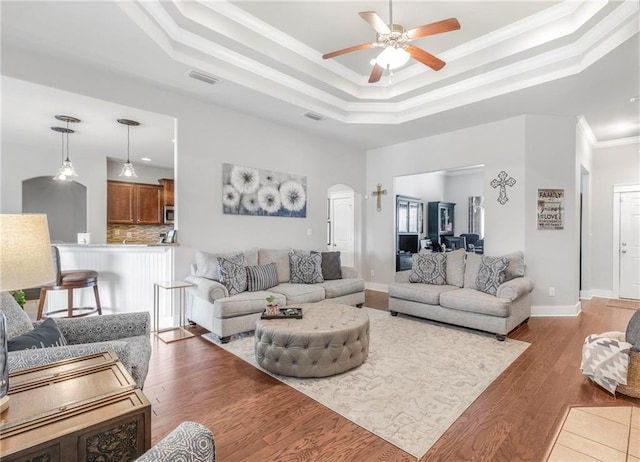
{"type": "Point", "coordinates": [66, 171]}
{"type": "Point", "coordinates": [127, 169]}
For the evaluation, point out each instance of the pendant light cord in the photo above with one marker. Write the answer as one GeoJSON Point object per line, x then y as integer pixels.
{"type": "Point", "coordinates": [128, 161]}
{"type": "Point", "coordinates": [67, 160]}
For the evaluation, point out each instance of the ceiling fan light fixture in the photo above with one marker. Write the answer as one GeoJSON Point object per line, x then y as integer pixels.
{"type": "Point", "coordinates": [392, 58]}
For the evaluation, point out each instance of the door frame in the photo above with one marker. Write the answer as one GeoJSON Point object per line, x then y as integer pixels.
{"type": "Point", "coordinates": [617, 190]}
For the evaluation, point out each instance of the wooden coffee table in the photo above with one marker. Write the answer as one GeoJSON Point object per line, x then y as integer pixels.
{"type": "Point", "coordinates": [85, 408]}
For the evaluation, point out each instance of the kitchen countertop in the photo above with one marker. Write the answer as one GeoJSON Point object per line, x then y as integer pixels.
{"type": "Point", "coordinates": [133, 244]}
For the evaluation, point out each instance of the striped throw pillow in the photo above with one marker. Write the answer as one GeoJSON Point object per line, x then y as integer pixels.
{"type": "Point", "coordinates": [261, 277]}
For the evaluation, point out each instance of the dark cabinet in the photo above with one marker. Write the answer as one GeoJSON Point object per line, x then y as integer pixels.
{"type": "Point", "coordinates": [441, 220]}
{"type": "Point", "coordinates": [134, 203]}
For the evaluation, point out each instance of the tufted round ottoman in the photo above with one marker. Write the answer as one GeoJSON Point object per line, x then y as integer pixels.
{"type": "Point", "coordinates": [328, 340]}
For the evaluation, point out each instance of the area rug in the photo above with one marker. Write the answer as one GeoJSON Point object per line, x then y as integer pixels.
{"type": "Point", "coordinates": [626, 304]}
{"type": "Point", "coordinates": [418, 379]}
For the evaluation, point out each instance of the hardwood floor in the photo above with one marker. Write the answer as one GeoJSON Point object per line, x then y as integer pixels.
{"type": "Point", "coordinates": [255, 417]}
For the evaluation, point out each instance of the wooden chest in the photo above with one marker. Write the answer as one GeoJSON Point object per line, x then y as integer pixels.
{"type": "Point", "coordinates": [85, 408]}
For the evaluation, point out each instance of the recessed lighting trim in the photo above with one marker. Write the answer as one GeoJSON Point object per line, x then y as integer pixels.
{"type": "Point", "coordinates": [146, 159]}
{"type": "Point", "coordinates": [634, 99]}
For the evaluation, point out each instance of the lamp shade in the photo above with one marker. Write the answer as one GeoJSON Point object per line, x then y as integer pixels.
{"type": "Point", "coordinates": [25, 252]}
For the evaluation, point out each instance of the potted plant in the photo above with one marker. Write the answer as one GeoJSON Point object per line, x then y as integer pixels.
{"type": "Point", "coordinates": [272, 307]}
{"type": "Point", "coordinates": [19, 297]}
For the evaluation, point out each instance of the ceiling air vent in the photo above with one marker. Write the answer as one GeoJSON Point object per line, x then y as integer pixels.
{"type": "Point", "coordinates": [313, 116]}
{"type": "Point", "coordinates": [203, 77]}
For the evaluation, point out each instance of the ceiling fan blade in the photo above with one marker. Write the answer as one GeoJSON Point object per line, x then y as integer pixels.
{"type": "Point", "coordinates": [375, 21]}
{"type": "Point", "coordinates": [425, 58]}
{"type": "Point", "coordinates": [376, 73]}
{"type": "Point", "coordinates": [333, 54]}
{"type": "Point", "coordinates": [439, 27]}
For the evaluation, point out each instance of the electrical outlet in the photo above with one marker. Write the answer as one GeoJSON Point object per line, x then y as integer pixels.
{"type": "Point", "coordinates": [552, 291]}
{"type": "Point", "coordinates": [309, 231]}
{"type": "Point", "coordinates": [128, 234]}
{"type": "Point", "coordinates": [117, 232]}
{"type": "Point", "coordinates": [373, 273]}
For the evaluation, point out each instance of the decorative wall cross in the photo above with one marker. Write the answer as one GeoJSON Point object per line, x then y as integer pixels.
{"type": "Point", "coordinates": [379, 192]}
{"type": "Point", "coordinates": [502, 181]}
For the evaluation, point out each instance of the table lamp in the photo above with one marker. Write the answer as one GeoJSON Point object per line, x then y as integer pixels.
{"type": "Point", "coordinates": [25, 262]}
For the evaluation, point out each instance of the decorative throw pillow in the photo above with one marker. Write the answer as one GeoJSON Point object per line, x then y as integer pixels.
{"type": "Point", "coordinates": [261, 277]}
{"type": "Point", "coordinates": [306, 269]}
{"type": "Point", "coordinates": [331, 265]}
{"type": "Point", "coordinates": [233, 273]}
{"type": "Point", "coordinates": [632, 335]}
{"type": "Point", "coordinates": [516, 266]}
{"type": "Point", "coordinates": [429, 268]}
{"type": "Point", "coordinates": [45, 335]}
{"type": "Point", "coordinates": [491, 274]}
{"type": "Point", "coordinates": [17, 320]}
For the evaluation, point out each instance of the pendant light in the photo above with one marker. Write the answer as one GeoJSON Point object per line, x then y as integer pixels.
{"type": "Point", "coordinates": [127, 169]}
{"type": "Point", "coordinates": [66, 171]}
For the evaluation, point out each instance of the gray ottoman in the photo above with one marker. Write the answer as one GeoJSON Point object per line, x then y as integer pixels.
{"type": "Point", "coordinates": [328, 340]}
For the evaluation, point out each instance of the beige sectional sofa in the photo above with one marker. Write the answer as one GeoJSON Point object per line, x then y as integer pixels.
{"type": "Point", "coordinates": [460, 302]}
{"type": "Point", "coordinates": [210, 304]}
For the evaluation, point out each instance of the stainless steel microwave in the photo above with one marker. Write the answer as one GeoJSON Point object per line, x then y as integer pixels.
{"type": "Point", "coordinates": [169, 213]}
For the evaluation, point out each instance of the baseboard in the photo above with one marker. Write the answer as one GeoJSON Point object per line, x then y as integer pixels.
{"type": "Point", "coordinates": [602, 293]}
{"type": "Point", "coordinates": [585, 295]}
{"type": "Point", "coordinates": [556, 310]}
{"type": "Point", "coordinates": [376, 286]}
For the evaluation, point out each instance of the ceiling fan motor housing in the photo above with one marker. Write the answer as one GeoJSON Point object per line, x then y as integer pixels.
{"type": "Point", "coordinates": [397, 36]}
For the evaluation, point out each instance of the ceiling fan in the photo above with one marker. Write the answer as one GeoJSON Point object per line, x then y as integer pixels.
{"type": "Point", "coordinates": [395, 41]}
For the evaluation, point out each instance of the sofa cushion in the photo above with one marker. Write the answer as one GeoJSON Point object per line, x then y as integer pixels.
{"type": "Point", "coordinates": [207, 263]}
{"type": "Point", "coordinates": [17, 320]}
{"type": "Point", "coordinates": [331, 266]}
{"type": "Point", "coordinates": [300, 293]}
{"type": "Point", "coordinates": [233, 273]}
{"type": "Point", "coordinates": [278, 256]}
{"type": "Point", "coordinates": [244, 303]}
{"type": "Point", "coordinates": [305, 269]}
{"type": "Point", "coordinates": [632, 333]}
{"type": "Point", "coordinates": [455, 267]}
{"type": "Point", "coordinates": [339, 287]}
{"type": "Point", "coordinates": [491, 274]}
{"type": "Point", "coordinates": [423, 293]}
{"type": "Point", "coordinates": [45, 335]}
{"type": "Point", "coordinates": [474, 301]}
{"type": "Point", "coordinates": [516, 266]}
{"type": "Point", "coordinates": [471, 268]}
{"type": "Point", "coordinates": [261, 277]}
{"type": "Point", "coordinates": [429, 268]}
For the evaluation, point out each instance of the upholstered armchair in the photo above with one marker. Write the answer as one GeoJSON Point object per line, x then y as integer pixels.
{"type": "Point", "coordinates": [127, 335]}
{"type": "Point", "coordinates": [188, 442]}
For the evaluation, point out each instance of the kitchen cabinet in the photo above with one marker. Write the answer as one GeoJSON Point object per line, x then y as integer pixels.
{"type": "Point", "coordinates": [134, 203]}
{"type": "Point", "coordinates": [167, 191]}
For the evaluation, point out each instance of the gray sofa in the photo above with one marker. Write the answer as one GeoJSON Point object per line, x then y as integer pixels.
{"type": "Point", "coordinates": [126, 334]}
{"type": "Point", "coordinates": [460, 302]}
{"type": "Point", "coordinates": [210, 305]}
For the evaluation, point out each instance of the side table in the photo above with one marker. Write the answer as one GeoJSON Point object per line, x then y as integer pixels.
{"type": "Point", "coordinates": [171, 334]}
{"type": "Point", "coordinates": [80, 409]}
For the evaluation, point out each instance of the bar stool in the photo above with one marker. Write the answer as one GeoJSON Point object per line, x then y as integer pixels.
{"type": "Point", "coordinates": [69, 280]}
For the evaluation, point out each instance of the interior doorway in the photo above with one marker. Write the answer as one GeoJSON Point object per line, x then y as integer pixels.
{"type": "Point", "coordinates": [341, 223]}
{"type": "Point", "coordinates": [626, 241]}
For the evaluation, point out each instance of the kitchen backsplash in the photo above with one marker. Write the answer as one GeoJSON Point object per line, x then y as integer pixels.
{"type": "Point", "coordinates": [140, 234]}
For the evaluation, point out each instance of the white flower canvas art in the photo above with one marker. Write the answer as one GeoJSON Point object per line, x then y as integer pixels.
{"type": "Point", "coordinates": [252, 191]}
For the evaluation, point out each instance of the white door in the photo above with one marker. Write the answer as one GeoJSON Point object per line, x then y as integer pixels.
{"type": "Point", "coordinates": [630, 245]}
{"type": "Point", "coordinates": [343, 227]}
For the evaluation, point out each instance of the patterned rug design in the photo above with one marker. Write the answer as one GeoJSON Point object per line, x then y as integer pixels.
{"type": "Point", "coordinates": [419, 378]}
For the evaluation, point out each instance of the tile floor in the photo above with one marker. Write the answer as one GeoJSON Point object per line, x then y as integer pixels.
{"type": "Point", "coordinates": [599, 433]}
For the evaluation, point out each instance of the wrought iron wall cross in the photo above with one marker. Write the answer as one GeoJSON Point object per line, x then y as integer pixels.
{"type": "Point", "coordinates": [502, 181]}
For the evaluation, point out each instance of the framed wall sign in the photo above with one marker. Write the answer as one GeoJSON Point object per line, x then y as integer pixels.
{"type": "Point", "coordinates": [550, 208]}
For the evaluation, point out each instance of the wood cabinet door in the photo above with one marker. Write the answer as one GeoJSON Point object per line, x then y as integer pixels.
{"type": "Point", "coordinates": [168, 187]}
{"type": "Point", "coordinates": [120, 202]}
{"type": "Point", "coordinates": [149, 204]}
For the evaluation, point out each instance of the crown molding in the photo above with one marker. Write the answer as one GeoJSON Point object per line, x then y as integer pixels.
{"type": "Point", "coordinates": [342, 91]}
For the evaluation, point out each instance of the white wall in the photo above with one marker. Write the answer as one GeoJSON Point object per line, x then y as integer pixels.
{"type": "Point", "coordinates": [552, 256]}
{"type": "Point", "coordinates": [618, 165]}
{"type": "Point", "coordinates": [207, 136]}
{"type": "Point", "coordinates": [458, 188]}
{"type": "Point", "coordinates": [146, 173]}
{"type": "Point", "coordinates": [499, 146]}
